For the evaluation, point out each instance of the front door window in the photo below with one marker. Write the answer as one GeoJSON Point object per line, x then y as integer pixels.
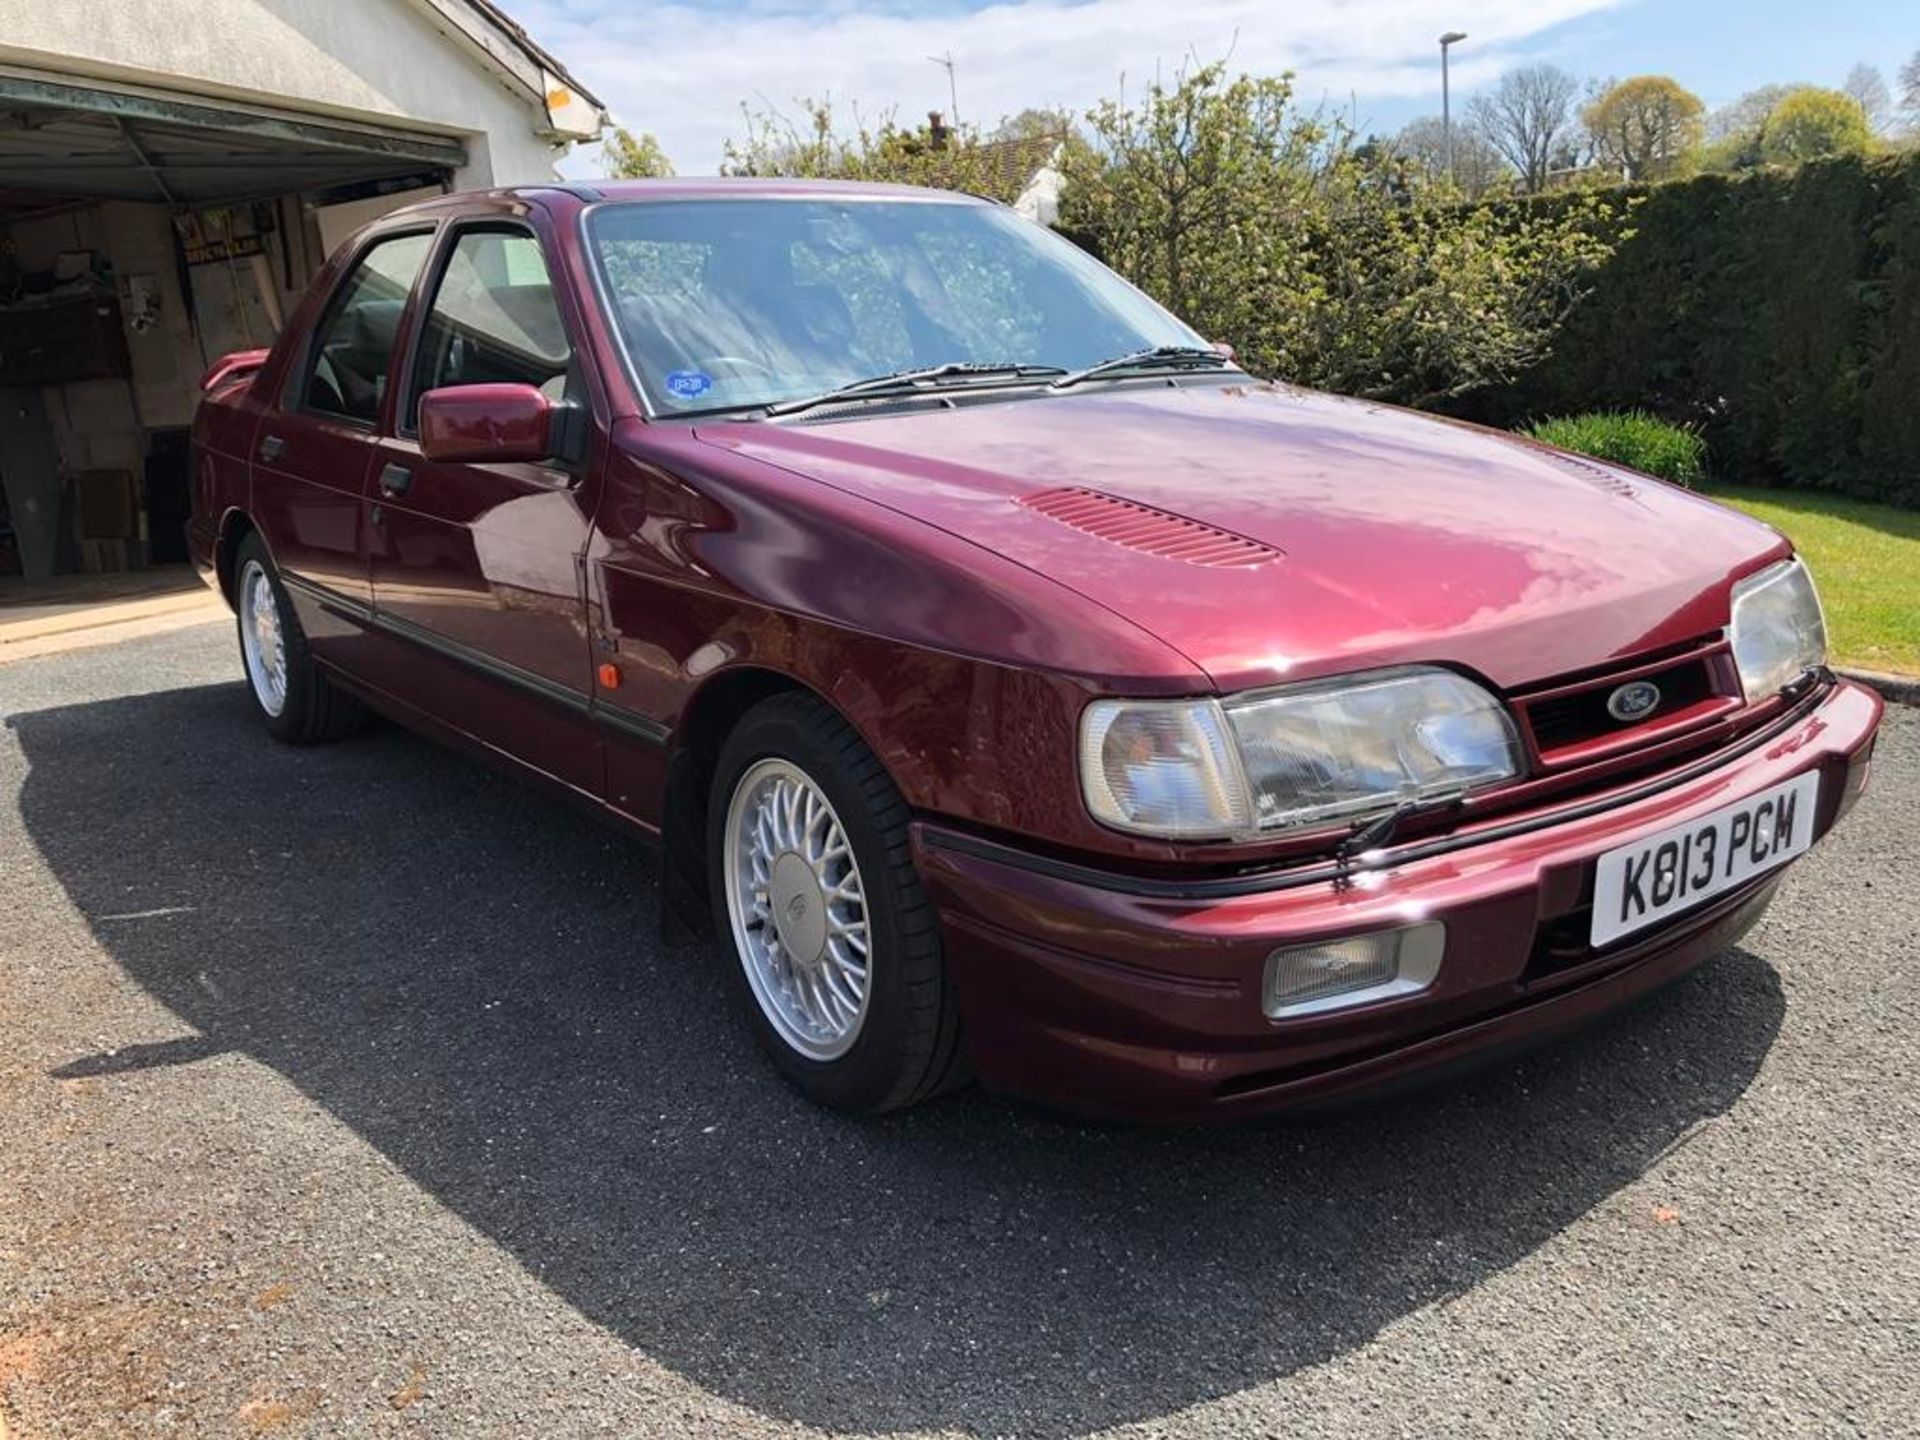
{"type": "Point", "coordinates": [494, 319]}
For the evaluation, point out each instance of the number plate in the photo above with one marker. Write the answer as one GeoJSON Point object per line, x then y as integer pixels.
{"type": "Point", "coordinates": [1644, 883]}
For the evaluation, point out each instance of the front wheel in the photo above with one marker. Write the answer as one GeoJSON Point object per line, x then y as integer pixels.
{"type": "Point", "coordinates": [835, 948]}
{"type": "Point", "coordinates": [293, 698]}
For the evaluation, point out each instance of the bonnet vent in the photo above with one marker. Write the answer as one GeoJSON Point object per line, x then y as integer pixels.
{"type": "Point", "coordinates": [1150, 531]}
{"type": "Point", "coordinates": [1597, 475]}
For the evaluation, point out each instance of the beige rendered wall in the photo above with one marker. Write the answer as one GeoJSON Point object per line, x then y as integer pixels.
{"type": "Point", "coordinates": [372, 61]}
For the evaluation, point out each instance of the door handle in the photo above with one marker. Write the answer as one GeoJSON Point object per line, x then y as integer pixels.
{"type": "Point", "coordinates": [395, 480]}
{"type": "Point", "coordinates": [272, 448]}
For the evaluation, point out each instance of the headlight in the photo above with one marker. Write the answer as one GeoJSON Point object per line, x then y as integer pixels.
{"type": "Point", "coordinates": [1298, 756]}
{"type": "Point", "coordinates": [1779, 632]}
{"type": "Point", "coordinates": [1318, 752]}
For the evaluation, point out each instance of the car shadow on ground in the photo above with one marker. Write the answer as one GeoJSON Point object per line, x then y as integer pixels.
{"type": "Point", "coordinates": [470, 978]}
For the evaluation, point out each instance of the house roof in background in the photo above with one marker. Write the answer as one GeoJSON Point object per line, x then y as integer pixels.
{"type": "Point", "coordinates": [1009, 164]}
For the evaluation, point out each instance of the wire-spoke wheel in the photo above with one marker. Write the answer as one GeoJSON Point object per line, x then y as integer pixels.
{"type": "Point", "coordinates": [832, 940]}
{"type": "Point", "coordinates": [798, 908]}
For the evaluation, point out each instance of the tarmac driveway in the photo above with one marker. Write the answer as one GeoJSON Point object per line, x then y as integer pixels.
{"type": "Point", "coordinates": [351, 1091]}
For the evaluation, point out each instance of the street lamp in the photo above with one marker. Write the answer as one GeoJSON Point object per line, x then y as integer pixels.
{"type": "Point", "coordinates": [1452, 37]}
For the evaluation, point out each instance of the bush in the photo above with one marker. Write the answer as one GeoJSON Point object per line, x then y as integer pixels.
{"type": "Point", "coordinates": [1322, 260]}
{"type": "Point", "coordinates": [1632, 438]}
{"type": "Point", "coordinates": [1778, 313]}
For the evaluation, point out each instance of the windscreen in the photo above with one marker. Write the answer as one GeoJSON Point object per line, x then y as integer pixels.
{"type": "Point", "coordinates": [727, 303]}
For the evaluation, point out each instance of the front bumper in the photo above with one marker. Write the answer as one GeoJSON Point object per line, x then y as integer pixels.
{"type": "Point", "coordinates": [1141, 1001]}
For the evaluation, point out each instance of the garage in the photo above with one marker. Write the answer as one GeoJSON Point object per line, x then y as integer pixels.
{"type": "Point", "coordinates": [165, 199]}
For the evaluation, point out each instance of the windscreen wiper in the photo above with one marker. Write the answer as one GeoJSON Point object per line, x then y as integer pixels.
{"type": "Point", "coordinates": [1157, 357]}
{"type": "Point", "coordinates": [1377, 832]}
{"type": "Point", "coordinates": [914, 382]}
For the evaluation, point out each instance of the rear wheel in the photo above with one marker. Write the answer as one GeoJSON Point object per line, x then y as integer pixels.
{"type": "Point", "coordinates": [291, 695]}
{"type": "Point", "coordinates": [834, 946]}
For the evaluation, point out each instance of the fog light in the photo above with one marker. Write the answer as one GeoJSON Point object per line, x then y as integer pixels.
{"type": "Point", "coordinates": [1311, 979]}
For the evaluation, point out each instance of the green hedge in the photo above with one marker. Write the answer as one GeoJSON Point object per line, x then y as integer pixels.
{"type": "Point", "coordinates": [1777, 312]}
{"type": "Point", "coordinates": [1632, 438]}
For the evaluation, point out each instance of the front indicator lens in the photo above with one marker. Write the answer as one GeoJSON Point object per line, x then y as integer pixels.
{"type": "Point", "coordinates": [1313, 979]}
{"type": "Point", "coordinates": [1341, 748]}
{"type": "Point", "coordinates": [1162, 768]}
{"type": "Point", "coordinates": [1779, 632]}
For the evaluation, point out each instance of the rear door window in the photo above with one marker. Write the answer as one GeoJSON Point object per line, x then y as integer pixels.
{"type": "Point", "coordinates": [353, 344]}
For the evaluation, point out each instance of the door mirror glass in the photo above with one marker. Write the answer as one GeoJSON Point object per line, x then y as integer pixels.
{"type": "Point", "coordinates": [487, 424]}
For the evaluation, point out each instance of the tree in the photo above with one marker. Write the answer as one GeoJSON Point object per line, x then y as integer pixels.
{"type": "Point", "coordinates": [1811, 123]}
{"type": "Point", "coordinates": [1190, 190]}
{"type": "Point", "coordinates": [1647, 128]}
{"type": "Point", "coordinates": [775, 145]}
{"type": "Point", "coordinates": [1868, 87]}
{"type": "Point", "coordinates": [626, 156]}
{"type": "Point", "coordinates": [1734, 131]}
{"type": "Point", "coordinates": [1033, 123]}
{"type": "Point", "coordinates": [1477, 166]}
{"type": "Point", "coordinates": [1910, 86]}
{"type": "Point", "coordinates": [1746, 117]}
{"type": "Point", "coordinates": [1526, 117]}
{"type": "Point", "coordinates": [935, 154]}
{"type": "Point", "coordinates": [1267, 227]}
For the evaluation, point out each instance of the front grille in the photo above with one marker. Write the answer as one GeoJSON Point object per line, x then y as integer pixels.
{"type": "Point", "coordinates": [1573, 718]}
{"type": "Point", "coordinates": [1572, 722]}
{"type": "Point", "coordinates": [1562, 945]}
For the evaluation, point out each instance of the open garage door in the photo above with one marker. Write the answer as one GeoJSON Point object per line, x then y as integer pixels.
{"type": "Point", "coordinates": [142, 234]}
{"type": "Point", "coordinates": [73, 140]}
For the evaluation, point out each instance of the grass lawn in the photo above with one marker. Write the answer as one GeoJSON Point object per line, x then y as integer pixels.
{"type": "Point", "coordinates": [1866, 560]}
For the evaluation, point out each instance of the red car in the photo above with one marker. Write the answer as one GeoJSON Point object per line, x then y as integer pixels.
{"type": "Point", "coordinates": [1019, 687]}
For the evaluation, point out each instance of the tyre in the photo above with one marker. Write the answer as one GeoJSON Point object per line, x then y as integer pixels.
{"type": "Point", "coordinates": [294, 700]}
{"type": "Point", "coordinates": [823, 924]}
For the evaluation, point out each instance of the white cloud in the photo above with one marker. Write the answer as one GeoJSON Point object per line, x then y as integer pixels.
{"type": "Point", "coordinates": [682, 71]}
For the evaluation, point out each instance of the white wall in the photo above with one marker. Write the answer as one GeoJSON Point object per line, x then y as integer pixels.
{"type": "Point", "coordinates": [374, 61]}
{"type": "Point", "coordinates": [337, 222]}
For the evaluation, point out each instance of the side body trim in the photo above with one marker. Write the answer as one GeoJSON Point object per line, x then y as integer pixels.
{"type": "Point", "coordinates": [622, 722]}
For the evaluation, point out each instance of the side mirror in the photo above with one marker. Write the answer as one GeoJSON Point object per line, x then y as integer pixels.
{"type": "Point", "coordinates": [487, 424]}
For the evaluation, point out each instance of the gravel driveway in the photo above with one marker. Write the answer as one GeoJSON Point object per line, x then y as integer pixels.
{"type": "Point", "coordinates": [351, 1091]}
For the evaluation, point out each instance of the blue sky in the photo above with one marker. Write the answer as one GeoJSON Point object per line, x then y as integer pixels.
{"type": "Point", "coordinates": [682, 68]}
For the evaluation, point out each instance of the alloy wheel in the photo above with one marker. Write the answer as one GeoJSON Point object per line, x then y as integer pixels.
{"type": "Point", "coordinates": [263, 639]}
{"type": "Point", "coordinates": [798, 909]}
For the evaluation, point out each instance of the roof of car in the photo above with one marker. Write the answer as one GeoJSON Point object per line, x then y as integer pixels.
{"type": "Point", "coordinates": [724, 187]}
{"type": "Point", "coordinates": [767, 187]}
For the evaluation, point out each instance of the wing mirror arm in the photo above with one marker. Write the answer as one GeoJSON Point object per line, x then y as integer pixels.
{"type": "Point", "coordinates": [571, 429]}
